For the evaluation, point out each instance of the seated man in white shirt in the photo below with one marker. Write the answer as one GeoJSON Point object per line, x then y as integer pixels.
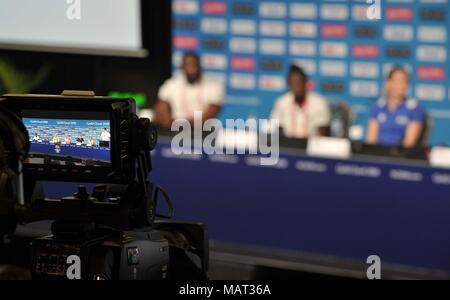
{"type": "Point", "coordinates": [184, 94]}
{"type": "Point", "coordinates": [105, 136]}
{"type": "Point", "coordinates": [301, 113]}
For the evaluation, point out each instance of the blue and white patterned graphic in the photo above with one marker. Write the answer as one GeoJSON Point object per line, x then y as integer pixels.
{"type": "Point", "coordinates": [249, 45]}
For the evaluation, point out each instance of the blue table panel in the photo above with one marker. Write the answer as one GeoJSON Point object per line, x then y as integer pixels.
{"type": "Point", "coordinates": [332, 213]}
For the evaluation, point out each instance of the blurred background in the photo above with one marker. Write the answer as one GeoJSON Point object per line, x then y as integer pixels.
{"type": "Point", "coordinates": [306, 217]}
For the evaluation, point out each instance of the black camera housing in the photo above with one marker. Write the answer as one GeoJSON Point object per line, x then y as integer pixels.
{"type": "Point", "coordinates": [113, 231]}
{"type": "Point", "coordinates": [123, 124]}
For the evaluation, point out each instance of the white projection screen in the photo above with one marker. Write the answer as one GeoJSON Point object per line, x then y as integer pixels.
{"type": "Point", "coordinates": [99, 27]}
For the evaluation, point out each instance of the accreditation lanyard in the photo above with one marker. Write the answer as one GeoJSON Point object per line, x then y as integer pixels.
{"type": "Point", "coordinates": [186, 108]}
{"type": "Point", "coordinates": [303, 131]}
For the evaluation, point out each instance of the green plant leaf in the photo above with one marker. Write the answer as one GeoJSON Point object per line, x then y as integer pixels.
{"type": "Point", "coordinates": [18, 81]}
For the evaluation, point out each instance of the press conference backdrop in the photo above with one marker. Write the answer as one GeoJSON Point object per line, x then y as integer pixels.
{"type": "Point", "coordinates": [249, 45]}
{"type": "Point", "coordinates": [106, 27]}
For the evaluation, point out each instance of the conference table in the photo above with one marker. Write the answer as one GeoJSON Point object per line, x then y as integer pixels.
{"type": "Point", "coordinates": [327, 209]}
{"type": "Point", "coordinates": [397, 209]}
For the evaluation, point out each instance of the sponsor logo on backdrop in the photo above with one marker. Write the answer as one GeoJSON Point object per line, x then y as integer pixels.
{"type": "Point", "coordinates": [430, 92]}
{"type": "Point", "coordinates": [361, 12]}
{"type": "Point", "coordinates": [365, 69]}
{"type": "Point", "coordinates": [333, 68]}
{"type": "Point", "coordinates": [273, 10]}
{"type": "Point", "coordinates": [303, 11]}
{"type": "Point", "coordinates": [272, 64]}
{"type": "Point", "coordinates": [185, 7]}
{"type": "Point", "coordinates": [332, 86]}
{"type": "Point", "coordinates": [215, 44]}
{"type": "Point", "coordinates": [398, 52]}
{"type": "Point", "coordinates": [244, 9]}
{"type": "Point", "coordinates": [431, 53]}
{"type": "Point", "coordinates": [302, 48]}
{"type": "Point", "coordinates": [310, 166]}
{"type": "Point", "coordinates": [243, 63]}
{"type": "Point", "coordinates": [361, 88]}
{"type": "Point", "coordinates": [214, 26]}
{"type": "Point", "coordinates": [441, 178]}
{"type": "Point", "coordinates": [272, 28]}
{"type": "Point", "coordinates": [433, 14]}
{"type": "Point", "coordinates": [334, 12]}
{"type": "Point", "coordinates": [399, 33]}
{"type": "Point", "coordinates": [185, 24]}
{"type": "Point", "coordinates": [333, 49]}
{"type": "Point", "coordinates": [185, 42]}
{"type": "Point", "coordinates": [214, 8]}
{"type": "Point", "coordinates": [214, 61]}
{"type": "Point", "coordinates": [303, 29]}
{"type": "Point", "coordinates": [349, 169]}
{"type": "Point", "coordinates": [433, 1]}
{"type": "Point", "coordinates": [433, 34]}
{"type": "Point", "coordinates": [404, 175]}
{"type": "Point", "coordinates": [430, 73]}
{"type": "Point", "coordinates": [243, 27]}
{"type": "Point", "coordinates": [333, 31]}
{"type": "Point", "coordinates": [270, 46]}
{"type": "Point", "coordinates": [365, 31]}
{"type": "Point", "coordinates": [243, 45]}
{"type": "Point", "coordinates": [216, 77]}
{"type": "Point", "coordinates": [365, 51]}
{"type": "Point", "coordinates": [243, 81]}
{"type": "Point", "coordinates": [272, 83]}
{"type": "Point", "coordinates": [399, 13]}
{"type": "Point", "coordinates": [308, 65]}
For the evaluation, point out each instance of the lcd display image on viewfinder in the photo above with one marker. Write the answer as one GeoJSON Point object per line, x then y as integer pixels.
{"type": "Point", "coordinates": [68, 138]}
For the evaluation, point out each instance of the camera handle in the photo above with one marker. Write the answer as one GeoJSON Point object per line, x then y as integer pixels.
{"type": "Point", "coordinates": [143, 169]}
{"type": "Point", "coordinates": [166, 196]}
{"type": "Point", "coordinates": [148, 133]}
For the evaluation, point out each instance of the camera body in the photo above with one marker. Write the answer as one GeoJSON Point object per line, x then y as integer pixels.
{"type": "Point", "coordinates": [78, 137]}
{"type": "Point", "coordinates": [133, 255]}
{"type": "Point", "coordinates": [52, 121]}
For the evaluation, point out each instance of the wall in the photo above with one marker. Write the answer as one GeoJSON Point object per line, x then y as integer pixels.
{"type": "Point", "coordinates": [103, 74]}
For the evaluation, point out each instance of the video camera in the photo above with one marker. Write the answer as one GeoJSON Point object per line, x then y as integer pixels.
{"type": "Point", "coordinates": [78, 137]}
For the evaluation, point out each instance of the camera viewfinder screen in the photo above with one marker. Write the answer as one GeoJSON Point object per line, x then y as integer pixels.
{"type": "Point", "coordinates": [68, 138]}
